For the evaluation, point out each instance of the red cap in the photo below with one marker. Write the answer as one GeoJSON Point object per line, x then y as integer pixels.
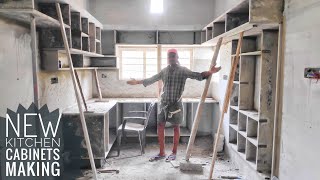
{"type": "Point", "coordinates": [172, 51]}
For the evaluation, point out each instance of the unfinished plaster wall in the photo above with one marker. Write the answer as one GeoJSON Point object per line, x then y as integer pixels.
{"type": "Point", "coordinates": [16, 66]}
{"type": "Point", "coordinates": [299, 158]}
{"type": "Point", "coordinates": [62, 95]}
{"type": "Point", "coordinates": [111, 86]}
{"type": "Point", "coordinates": [135, 14]}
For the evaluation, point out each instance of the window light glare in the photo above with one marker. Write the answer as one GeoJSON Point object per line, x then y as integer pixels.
{"type": "Point", "coordinates": [156, 6]}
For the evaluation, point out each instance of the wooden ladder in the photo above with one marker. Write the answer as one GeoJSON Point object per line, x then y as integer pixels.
{"type": "Point", "coordinates": [76, 87]}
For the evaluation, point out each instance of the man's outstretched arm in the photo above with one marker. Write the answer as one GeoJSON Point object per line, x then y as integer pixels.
{"type": "Point", "coordinates": [146, 82]}
{"type": "Point", "coordinates": [201, 76]}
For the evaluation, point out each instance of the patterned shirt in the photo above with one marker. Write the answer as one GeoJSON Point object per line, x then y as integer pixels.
{"type": "Point", "coordinates": [174, 79]}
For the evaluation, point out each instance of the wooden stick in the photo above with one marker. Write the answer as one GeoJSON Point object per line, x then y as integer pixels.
{"type": "Point", "coordinates": [34, 61]}
{"type": "Point", "coordinates": [80, 88]}
{"type": "Point", "coordinates": [97, 84]}
{"type": "Point", "coordinates": [278, 108]}
{"type": "Point", "coordinates": [203, 98]}
{"type": "Point", "coordinates": [75, 86]}
{"type": "Point", "coordinates": [226, 102]}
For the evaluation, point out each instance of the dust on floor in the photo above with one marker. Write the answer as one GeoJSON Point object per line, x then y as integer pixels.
{"type": "Point", "coordinates": [134, 166]}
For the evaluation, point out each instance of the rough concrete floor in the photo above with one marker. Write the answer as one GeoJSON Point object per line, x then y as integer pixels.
{"type": "Point", "coordinates": [133, 166]}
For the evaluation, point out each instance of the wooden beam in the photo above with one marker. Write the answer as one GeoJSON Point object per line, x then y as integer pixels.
{"type": "Point", "coordinates": [75, 86]}
{"type": "Point", "coordinates": [80, 88]}
{"type": "Point", "coordinates": [203, 98]}
{"type": "Point", "coordinates": [97, 84]}
{"type": "Point", "coordinates": [34, 61]}
{"type": "Point", "coordinates": [278, 102]}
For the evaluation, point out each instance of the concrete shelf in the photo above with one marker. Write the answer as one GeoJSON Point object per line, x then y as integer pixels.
{"type": "Point", "coordinates": [233, 116]}
{"type": "Point", "coordinates": [246, 16]}
{"type": "Point", "coordinates": [82, 29]}
{"type": "Point", "coordinates": [251, 112]}
{"type": "Point", "coordinates": [235, 127]}
{"type": "Point", "coordinates": [25, 16]}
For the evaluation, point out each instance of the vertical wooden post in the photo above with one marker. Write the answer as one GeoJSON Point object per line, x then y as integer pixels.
{"type": "Point", "coordinates": [75, 86]}
{"type": "Point", "coordinates": [34, 61]}
{"type": "Point", "coordinates": [80, 88]}
{"type": "Point", "coordinates": [278, 101]}
{"type": "Point", "coordinates": [97, 84]}
{"type": "Point", "coordinates": [203, 98]}
{"type": "Point", "coordinates": [226, 102]}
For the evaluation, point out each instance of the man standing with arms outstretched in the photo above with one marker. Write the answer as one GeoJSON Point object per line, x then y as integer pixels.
{"type": "Point", "coordinates": [174, 78]}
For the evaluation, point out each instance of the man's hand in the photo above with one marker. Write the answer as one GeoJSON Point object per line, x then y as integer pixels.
{"type": "Point", "coordinates": [215, 69]}
{"type": "Point", "coordinates": [133, 82]}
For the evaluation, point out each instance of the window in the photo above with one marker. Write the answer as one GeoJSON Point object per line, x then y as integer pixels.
{"type": "Point", "coordinates": [141, 62]}
{"type": "Point", "coordinates": [156, 6]}
{"type": "Point", "coordinates": [138, 63]}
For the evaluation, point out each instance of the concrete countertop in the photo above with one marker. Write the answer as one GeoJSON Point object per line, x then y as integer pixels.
{"type": "Point", "coordinates": [146, 100]}
{"type": "Point", "coordinates": [94, 107]}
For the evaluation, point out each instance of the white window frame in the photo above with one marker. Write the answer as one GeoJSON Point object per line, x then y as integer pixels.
{"type": "Point", "coordinates": [145, 49]}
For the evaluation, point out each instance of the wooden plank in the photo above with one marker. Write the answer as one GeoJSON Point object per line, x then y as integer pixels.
{"type": "Point", "coordinates": [35, 70]}
{"type": "Point", "coordinates": [75, 85]}
{"type": "Point", "coordinates": [203, 97]}
{"type": "Point", "coordinates": [278, 101]}
{"type": "Point", "coordinates": [80, 89]}
{"type": "Point", "coordinates": [97, 84]}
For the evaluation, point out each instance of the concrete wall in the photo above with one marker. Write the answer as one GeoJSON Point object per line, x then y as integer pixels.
{"type": "Point", "coordinates": [15, 66]}
{"type": "Point", "coordinates": [135, 14]}
{"type": "Point", "coordinates": [301, 123]}
{"type": "Point", "coordinates": [62, 95]}
{"type": "Point", "coordinates": [111, 86]}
